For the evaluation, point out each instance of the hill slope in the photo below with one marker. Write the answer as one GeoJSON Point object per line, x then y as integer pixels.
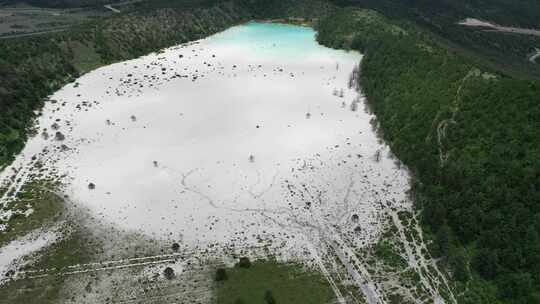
{"type": "Point", "coordinates": [470, 136]}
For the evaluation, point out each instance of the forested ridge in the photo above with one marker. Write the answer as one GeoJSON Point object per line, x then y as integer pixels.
{"type": "Point", "coordinates": [507, 52]}
{"type": "Point", "coordinates": [523, 13]}
{"type": "Point", "coordinates": [471, 138]}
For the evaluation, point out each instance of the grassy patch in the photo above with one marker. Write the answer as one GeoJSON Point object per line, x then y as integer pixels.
{"type": "Point", "coordinates": [287, 284]}
{"type": "Point", "coordinates": [85, 58]}
{"type": "Point", "coordinates": [45, 205]}
{"type": "Point", "coordinates": [385, 251]}
{"type": "Point", "coordinates": [69, 251]}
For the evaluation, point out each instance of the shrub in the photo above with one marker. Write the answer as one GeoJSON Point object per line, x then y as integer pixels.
{"type": "Point", "coordinates": [221, 275]}
{"type": "Point", "coordinates": [244, 262]}
{"type": "Point", "coordinates": [168, 273]}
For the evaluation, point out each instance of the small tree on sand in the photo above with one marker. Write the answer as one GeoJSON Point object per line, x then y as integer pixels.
{"type": "Point", "coordinates": [244, 262]}
{"type": "Point", "coordinates": [168, 273]}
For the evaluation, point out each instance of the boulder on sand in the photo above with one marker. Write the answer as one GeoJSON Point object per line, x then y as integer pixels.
{"type": "Point", "coordinates": [59, 136]}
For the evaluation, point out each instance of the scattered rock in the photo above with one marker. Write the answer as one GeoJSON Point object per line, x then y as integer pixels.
{"type": "Point", "coordinates": [59, 136]}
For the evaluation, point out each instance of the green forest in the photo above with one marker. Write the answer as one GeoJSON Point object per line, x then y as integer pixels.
{"type": "Point", "coordinates": [506, 52]}
{"type": "Point", "coordinates": [472, 140]}
{"type": "Point", "coordinates": [29, 71]}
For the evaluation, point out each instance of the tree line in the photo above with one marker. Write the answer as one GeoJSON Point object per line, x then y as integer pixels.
{"type": "Point", "coordinates": [477, 184]}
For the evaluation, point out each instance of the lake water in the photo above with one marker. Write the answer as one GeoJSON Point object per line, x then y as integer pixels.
{"type": "Point", "coordinates": [251, 136]}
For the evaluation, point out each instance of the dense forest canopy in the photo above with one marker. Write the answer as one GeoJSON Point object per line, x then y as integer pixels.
{"type": "Point", "coordinates": [523, 13]}
{"type": "Point", "coordinates": [472, 139]}
{"type": "Point", "coordinates": [508, 52]}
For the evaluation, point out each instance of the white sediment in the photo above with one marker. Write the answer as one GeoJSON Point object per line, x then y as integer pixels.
{"type": "Point", "coordinates": [236, 140]}
{"type": "Point", "coordinates": [11, 255]}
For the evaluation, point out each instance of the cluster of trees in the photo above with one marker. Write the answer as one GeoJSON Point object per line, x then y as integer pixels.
{"type": "Point", "coordinates": [523, 13]}
{"type": "Point", "coordinates": [29, 71]}
{"type": "Point", "coordinates": [276, 9]}
{"type": "Point", "coordinates": [478, 182]}
{"type": "Point", "coordinates": [501, 51]}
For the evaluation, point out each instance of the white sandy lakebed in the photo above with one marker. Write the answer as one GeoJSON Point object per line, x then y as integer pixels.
{"type": "Point", "coordinates": [249, 137]}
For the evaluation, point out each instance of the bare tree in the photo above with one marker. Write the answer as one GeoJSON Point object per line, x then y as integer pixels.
{"type": "Point", "coordinates": [378, 155]}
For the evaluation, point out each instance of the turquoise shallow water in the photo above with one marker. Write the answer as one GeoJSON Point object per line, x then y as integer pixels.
{"type": "Point", "coordinates": [271, 39]}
